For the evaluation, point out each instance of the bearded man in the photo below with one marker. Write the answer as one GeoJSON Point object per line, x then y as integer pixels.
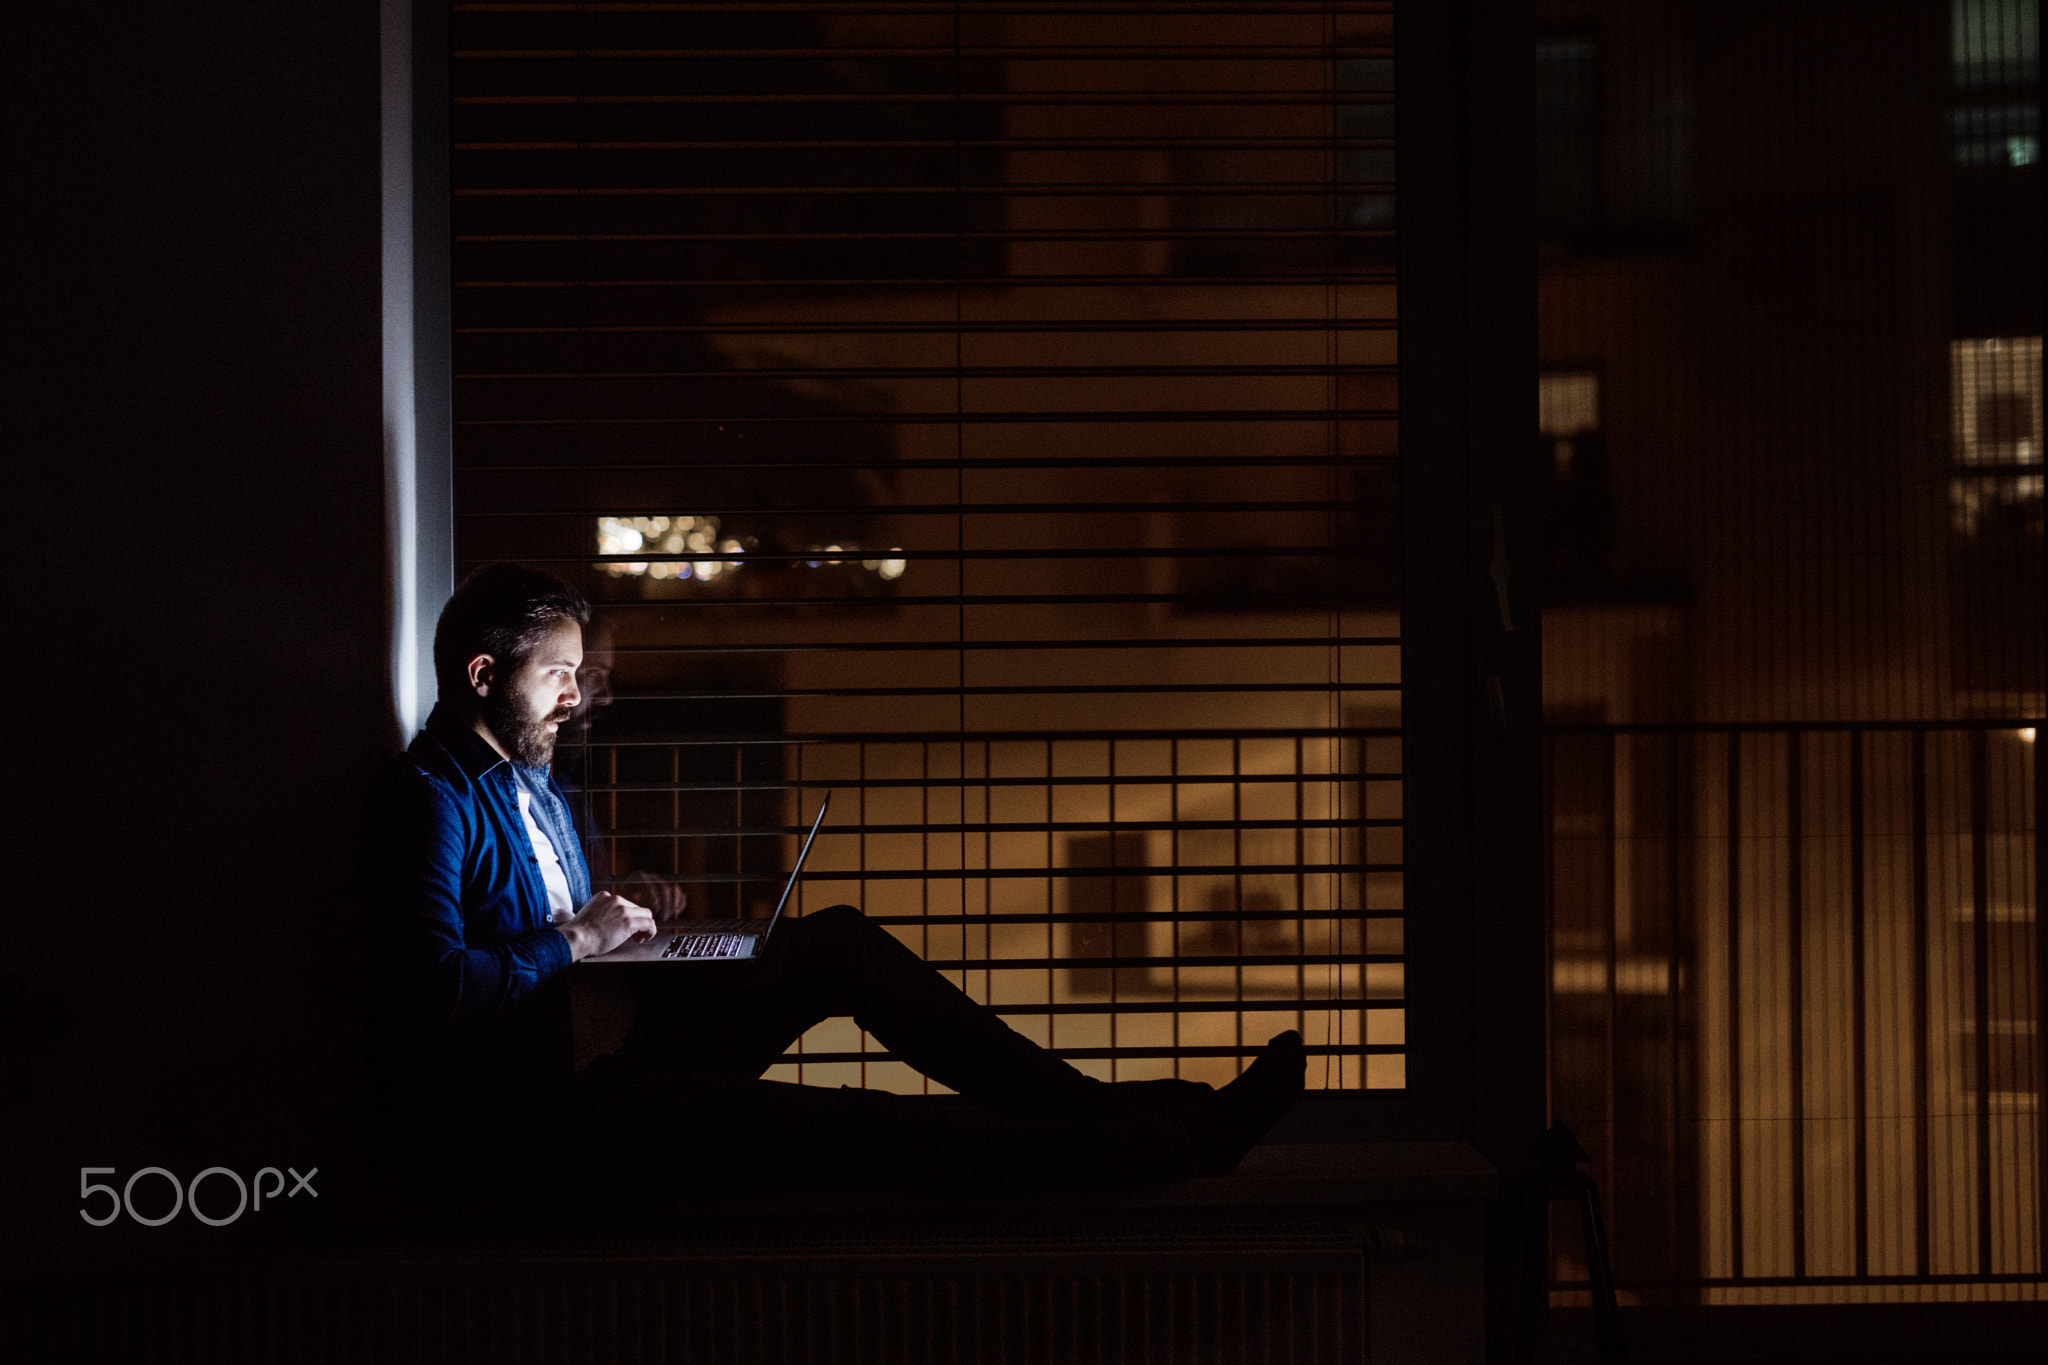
{"type": "Point", "coordinates": [479, 902]}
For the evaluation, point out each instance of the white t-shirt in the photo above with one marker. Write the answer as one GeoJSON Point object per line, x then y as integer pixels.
{"type": "Point", "coordinates": [560, 905]}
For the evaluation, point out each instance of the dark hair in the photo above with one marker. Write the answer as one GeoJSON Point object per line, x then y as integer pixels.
{"type": "Point", "coordinates": [502, 610]}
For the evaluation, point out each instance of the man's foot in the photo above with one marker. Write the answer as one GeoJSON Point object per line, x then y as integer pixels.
{"type": "Point", "coordinates": [1247, 1109]}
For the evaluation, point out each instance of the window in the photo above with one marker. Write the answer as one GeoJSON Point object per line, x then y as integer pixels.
{"type": "Point", "coordinates": [1568, 143]}
{"type": "Point", "coordinates": [989, 417]}
{"type": "Point", "coordinates": [1995, 42]}
{"type": "Point", "coordinates": [1995, 414]}
{"type": "Point", "coordinates": [1575, 477]}
{"type": "Point", "coordinates": [1995, 51]}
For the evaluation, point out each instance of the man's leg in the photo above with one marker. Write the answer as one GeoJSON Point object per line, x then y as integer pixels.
{"type": "Point", "coordinates": [738, 1020]}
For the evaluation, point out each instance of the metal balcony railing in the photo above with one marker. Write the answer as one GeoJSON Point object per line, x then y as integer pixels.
{"type": "Point", "coordinates": [1796, 986]}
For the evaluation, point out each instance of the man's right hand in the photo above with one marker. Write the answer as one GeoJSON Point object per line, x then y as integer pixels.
{"type": "Point", "coordinates": [604, 922]}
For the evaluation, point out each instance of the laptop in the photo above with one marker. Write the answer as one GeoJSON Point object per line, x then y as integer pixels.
{"type": "Point", "coordinates": [731, 940]}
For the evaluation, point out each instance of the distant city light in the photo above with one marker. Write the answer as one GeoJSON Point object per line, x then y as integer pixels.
{"type": "Point", "coordinates": [676, 535]}
{"type": "Point", "coordinates": [2027, 735]}
{"type": "Point", "coordinates": [695, 550]}
{"type": "Point", "coordinates": [888, 569]}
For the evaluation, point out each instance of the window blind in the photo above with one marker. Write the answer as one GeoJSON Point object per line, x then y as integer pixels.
{"type": "Point", "coordinates": [986, 413]}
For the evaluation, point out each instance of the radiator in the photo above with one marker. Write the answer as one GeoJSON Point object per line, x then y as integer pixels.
{"type": "Point", "coordinates": [1235, 1293]}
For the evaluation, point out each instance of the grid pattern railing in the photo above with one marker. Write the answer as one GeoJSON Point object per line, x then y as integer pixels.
{"type": "Point", "coordinates": [1145, 904]}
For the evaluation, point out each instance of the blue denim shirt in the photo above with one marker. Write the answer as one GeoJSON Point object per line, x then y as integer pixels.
{"type": "Point", "coordinates": [550, 808]}
{"type": "Point", "coordinates": [458, 911]}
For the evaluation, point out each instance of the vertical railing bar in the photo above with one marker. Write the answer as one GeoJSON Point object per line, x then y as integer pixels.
{"type": "Point", "coordinates": [1610, 1100]}
{"type": "Point", "coordinates": [1550, 743]}
{"type": "Point", "coordinates": [1734, 936]}
{"type": "Point", "coordinates": [1550, 992]}
{"type": "Point", "coordinates": [1340, 791]}
{"type": "Point", "coordinates": [1917, 780]}
{"type": "Point", "coordinates": [861, 766]}
{"type": "Point", "coordinates": [1052, 1039]}
{"type": "Point", "coordinates": [988, 863]}
{"type": "Point", "coordinates": [1857, 1020]}
{"type": "Point", "coordinates": [1052, 1020]}
{"type": "Point", "coordinates": [802, 753]}
{"type": "Point", "coordinates": [1115, 885]}
{"type": "Point", "coordinates": [1795, 887]}
{"type": "Point", "coordinates": [2030, 788]}
{"type": "Point", "coordinates": [1237, 880]}
{"type": "Point", "coordinates": [1679, 941]}
{"type": "Point", "coordinates": [924, 858]}
{"type": "Point", "coordinates": [1980, 951]}
{"type": "Point", "coordinates": [1173, 863]}
{"type": "Point", "coordinates": [1301, 894]}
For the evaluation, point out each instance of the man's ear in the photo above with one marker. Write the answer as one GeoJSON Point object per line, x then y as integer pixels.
{"type": "Point", "coordinates": [482, 672]}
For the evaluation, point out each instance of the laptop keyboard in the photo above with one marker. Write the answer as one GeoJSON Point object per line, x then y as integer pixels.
{"type": "Point", "coordinates": [707, 945]}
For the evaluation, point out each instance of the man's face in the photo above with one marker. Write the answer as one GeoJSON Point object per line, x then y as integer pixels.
{"type": "Point", "coordinates": [526, 709]}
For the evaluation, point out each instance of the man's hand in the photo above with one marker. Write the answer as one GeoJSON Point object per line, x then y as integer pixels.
{"type": "Point", "coordinates": [665, 898]}
{"type": "Point", "coordinates": [604, 922]}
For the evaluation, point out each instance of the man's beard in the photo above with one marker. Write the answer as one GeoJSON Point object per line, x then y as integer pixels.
{"type": "Point", "coordinates": [521, 731]}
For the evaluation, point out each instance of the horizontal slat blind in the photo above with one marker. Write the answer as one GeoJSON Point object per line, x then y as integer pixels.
{"type": "Point", "coordinates": [986, 413]}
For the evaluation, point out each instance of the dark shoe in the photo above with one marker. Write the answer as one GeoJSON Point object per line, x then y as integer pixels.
{"type": "Point", "coordinates": [1247, 1109]}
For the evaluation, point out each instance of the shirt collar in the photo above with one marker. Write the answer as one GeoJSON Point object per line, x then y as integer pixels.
{"type": "Point", "coordinates": [470, 750]}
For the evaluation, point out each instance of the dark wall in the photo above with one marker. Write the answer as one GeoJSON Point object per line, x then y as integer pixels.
{"type": "Point", "coordinates": [195, 520]}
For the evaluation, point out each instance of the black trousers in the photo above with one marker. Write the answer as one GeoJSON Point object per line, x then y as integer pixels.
{"type": "Point", "coordinates": [688, 1080]}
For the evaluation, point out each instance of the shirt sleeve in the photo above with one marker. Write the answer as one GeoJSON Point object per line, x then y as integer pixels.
{"type": "Point", "coordinates": [417, 840]}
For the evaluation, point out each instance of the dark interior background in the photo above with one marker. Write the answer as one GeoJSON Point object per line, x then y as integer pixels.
{"type": "Point", "coordinates": [195, 525]}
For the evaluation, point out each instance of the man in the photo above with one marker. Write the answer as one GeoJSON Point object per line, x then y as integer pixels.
{"type": "Point", "coordinates": [480, 901]}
